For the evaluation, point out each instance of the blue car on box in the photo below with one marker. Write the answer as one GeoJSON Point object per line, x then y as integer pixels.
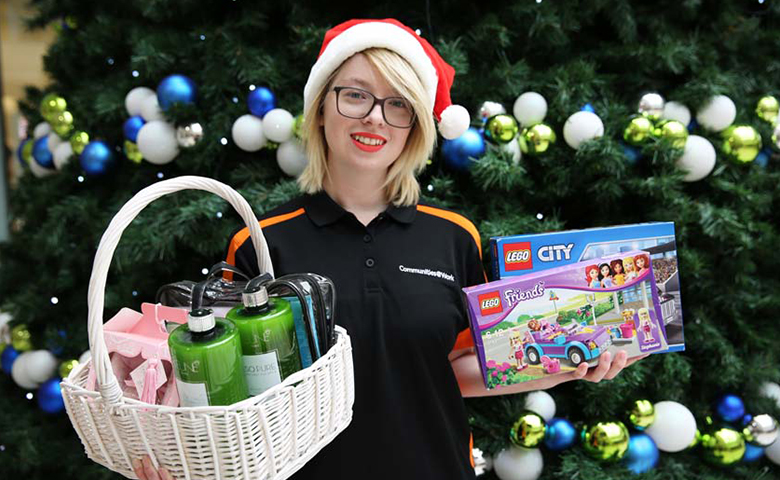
{"type": "Point", "coordinates": [577, 343]}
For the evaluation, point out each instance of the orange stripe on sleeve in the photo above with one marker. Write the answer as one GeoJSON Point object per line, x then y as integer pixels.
{"type": "Point", "coordinates": [453, 217]}
{"type": "Point", "coordinates": [243, 234]}
{"type": "Point", "coordinates": [464, 340]}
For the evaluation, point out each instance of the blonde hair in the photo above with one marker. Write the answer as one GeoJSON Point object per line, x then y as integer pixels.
{"type": "Point", "coordinates": [401, 187]}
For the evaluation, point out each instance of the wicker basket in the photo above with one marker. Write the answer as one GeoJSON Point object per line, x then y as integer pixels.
{"type": "Point", "coordinates": [269, 436]}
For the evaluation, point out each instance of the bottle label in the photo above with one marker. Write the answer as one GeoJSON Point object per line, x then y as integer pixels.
{"type": "Point", "coordinates": [192, 394]}
{"type": "Point", "coordinates": [262, 372]}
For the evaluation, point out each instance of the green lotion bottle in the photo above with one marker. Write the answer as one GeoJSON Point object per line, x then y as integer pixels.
{"type": "Point", "coordinates": [268, 339]}
{"type": "Point", "coordinates": [206, 354]}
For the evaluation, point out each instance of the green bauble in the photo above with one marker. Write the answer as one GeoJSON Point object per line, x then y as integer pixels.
{"type": "Point", "coordinates": [672, 131]}
{"type": "Point", "coordinates": [21, 339]}
{"type": "Point", "coordinates": [78, 141]}
{"type": "Point", "coordinates": [537, 139]}
{"type": "Point", "coordinates": [528, 431]}
{"type": "Point", "coordinates": [767, 109]}
{"type": "Point", "coordinates": [27, 152]}
{"type": "Point", "coordinates": [297, 124]}
{"type": "Point", "coordinates": [132, 153]}
{"type": "Point", "coordinates": [696, 439]}
{"type": "Point", "coordinates": [67, 366]}
{"type": "Point", "coordinates": [723, 445]}
{"type": "Point", "coordinates": [606, 441]}
{"type": "Point", "coordinates": [639, 129]}
{"type": "Point", "coordinates": [62, 123]}
{"type": "Point", "coordinates": [642, 414]}
{"type": "Point", "coordinates": [501, 128]}
{"type": "Point", "coordinates": [741, 143]}
{"type": "Point", "coordinates": [52, 105]}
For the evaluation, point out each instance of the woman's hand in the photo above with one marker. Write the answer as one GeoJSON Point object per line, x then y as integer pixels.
{"type": "Point", "coordinates": [145, 470]}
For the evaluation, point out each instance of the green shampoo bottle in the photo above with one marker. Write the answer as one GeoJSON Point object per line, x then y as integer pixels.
{"type": "Point", "coordinates": [206, 354]}
{"type": "Point", "coordinates": [268, 339]}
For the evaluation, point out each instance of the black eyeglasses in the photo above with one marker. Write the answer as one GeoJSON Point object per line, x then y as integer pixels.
{"type": "Point", "coordinates": [357, 103]}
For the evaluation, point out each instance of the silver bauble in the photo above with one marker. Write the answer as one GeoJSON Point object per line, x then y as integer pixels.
{"type": "Point", "coordinates": [651, 105]}
{"type": "Point", "coordinates": [189, 135]}
{"type": "Point", "coordinates": [490, 109]}
{"type": "Point", "coordinates": [761, 430]}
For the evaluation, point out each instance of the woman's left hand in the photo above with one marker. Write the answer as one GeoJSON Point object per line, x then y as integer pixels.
{"type": "Point", "coordinates": [607, 369]}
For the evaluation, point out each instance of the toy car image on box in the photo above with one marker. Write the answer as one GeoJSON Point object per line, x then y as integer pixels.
{"type": "Point", "coordinates": [549, 322]}
{"type": "Point", "coordinates": [523, 254]}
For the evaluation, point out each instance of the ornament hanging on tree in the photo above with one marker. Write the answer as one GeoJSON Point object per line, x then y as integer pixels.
{"type": "Point", "coordinates": [512, 150]}
{"type": "Point", "coordinates": [8, 357]}
{"type": "Point", "coordinates": [50, 396]}
{"type": "Point", "coordinates": [54, 142]}
{"type": "Point", "coordinates": [291, 157]}
{"type": "Point", "coordinates": [24, 152]}
{"type": "Point", "coordinates": [501, 128]}
{"type": "Point", "coordinates": [458, 153]}
{"type": "Point", "coordinates": [260, 101]}
{"type": "Point", "coordinates": [771, 390]}
{"type": "Point", "coordinates": [722, 445]}
{"type": "Point", "coordinates": [651, 105]}
{"type": "Point", "coordinates": [40, 365]}
{"type": "Point", "coordinates": [297, 125]}
{"type": "Point", "coordinates": [752, 453]}
{"type": "Point", "coordinates": [132, 126]}
{"type": "Point", "coordinates": [530, 108]}
{"type": "Point", "coordinates": [673, 132]}
{"type": "Point", "coordinates": [542, 403]}
{"type": "Point", "coordinates": [189, 135]}
{"type": "Point", "coordinates": [741, 143]}
{"type": "Point", "coordinates": [52, 105]}
{"type": "Point", "coordinates": [537, 139]}
{"type": "Point", "coordinates": [581, 127]}
{"type": "Point", "coordinates": [134, 100]}
{"type": "Point", "coordinates": [642, 454]}
{"type": "Point", "coordinates": [157, 142]}
{"type": "Point", "coordinates": [674, 427]}
{"type": "Point", "coordinates": [78, 141]}
{"type": "Point", "coordinates": [41, 130]}
{"type": "Point", "coordinates": [606, 441]}
{"type": "Point", "coordinates": [772, 452]}
{"type": "Point", "coordinates": [641, 414]}
{"type": "Point", "coordinates": [677, 111]}
{"type": "Point", "coordinates": [698, 158]}
{"type": "Point", "coordinates": [518, 464]}
{"type": "Point", "coordinates": [247, 133]}
{"type": "Point", "coordinates": [730, 408]}
{"type": "Point", "coordinates": [21, 339]}
{"type": "Point", "coordinates": [42, 154]}
{"type": "Point", "coordinates": [528, 430]}
{"type": "Point", "coordinates": [638, 130]}
{"type": "Point", "coordinates": [176, 88]}
{"type": "Point", "coordinates": [761, 430]}
{"type": "Point", "coordinates": [718, 113]}
{"type": "Point", "coordinates": [62, 123]}
{"type": "Point", "coordinates": [560, 434]}
{"type": "Point", "coordinates": [150, 109]}
{"type": "Point", "coordinates": [278, 125]}
{"type": "Point", "coordinates": [66, 367]}
{"type": "Point", "coordinates": [132, 153]}
{"type": "Point", "coordinates": [490, 109]}
{"type": "Point", "coordinates": [767, 109]}
{"type": "Point", "coordinates": [19, 372]}
{"type": "Point", "coordinates": [97, 158]}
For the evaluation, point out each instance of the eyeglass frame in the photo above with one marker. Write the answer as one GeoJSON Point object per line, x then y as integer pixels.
{"type": "Point", "coordinates": [380, 101]}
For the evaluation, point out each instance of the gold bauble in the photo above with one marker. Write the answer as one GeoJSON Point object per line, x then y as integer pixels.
{"type": "Point", "coordinates": [62, 123]}
{"type": "Point", "coordinates": [672, 131]}
{"type": "Point", "coordinates": [741, 143]}
{"type": "Point", "coordinates": [528, 431]}
{"type": "Point", "coordinates": [132, 153]}
{"type": "Point", "coordinates": [2, 347]}
{"type": "Point", "coordinates": [67, 366]}
{"type": "Point", "coordinates": [78, 141]}
{"type": "Point", "coordinates": [767, 109]}
{"type": "Point", "coordinates": [606, 441]}
{"type": "Point", "coordinates": [536, 139]}
{"type": "Point", "coordinates": [297, 124]}
{"type": "Point", "coordinates": [642, 414]}
{"type": "Point", "coordinates": [501, 128]}
{"type": "Point", "coordinates": [27, 151]}
{"type": "Point", "coordinates": [723, 446]}
{"type": "Point", "coordinates": [696, 439]}
{"type": "Point", "coordinates": [52, 105]}
{"type": "Point", "coordinates": [21, 339]}
{"type": "Point", "coordinates": [639, 129]}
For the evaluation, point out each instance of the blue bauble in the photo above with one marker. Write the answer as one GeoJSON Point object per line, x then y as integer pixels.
{"type": "Point", "coordinates": [752, 452]}
{"type": "Point", "coordinates": [560, 434]}
{"type": "Point", "coordinates": [132, 126]}
{"type": "Point", "coordinates": [762, 159]}
{"type": "Point", "coordinates": [19, 153]}
{"type": "Point", "coordinates": [97, 158]}
{"type": "Point", "coordinates": [693, 125]}
{"type": "Point", "coordinates": [42, 154]}
{"type": "Point", "coordinates": [8, 358]}
{"type": "Point", "coordinates": [642, 454]}
{"type": "Point", "coordinates": [50, 396]}
{"type": "Point", "coordinates": [261, 100]}
{"type": "Point", "coordinates": [730, 408]}
{"type": "Point", "coordinates": [458, 153]}
{"type": "Point", "coordinates": [631, 153]}
{"type": "Point", "coordinates": [588, 108]}
{"type": "Point", "coordinates": [175, 89]}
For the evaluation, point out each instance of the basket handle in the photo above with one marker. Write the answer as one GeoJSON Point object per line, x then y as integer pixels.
{"type": "Point", "coordinates": [109, 386]}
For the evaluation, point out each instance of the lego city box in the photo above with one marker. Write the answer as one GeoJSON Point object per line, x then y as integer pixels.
{"type": "Point", "coordinates": [522, 254]}
{"type": "Point", "coordinates": [548, 322]}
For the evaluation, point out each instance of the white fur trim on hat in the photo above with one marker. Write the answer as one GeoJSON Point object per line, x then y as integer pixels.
{"type": "Point", "coordinates": [367, 35]}
{"type": "Point", "coordinates": [454, 122]}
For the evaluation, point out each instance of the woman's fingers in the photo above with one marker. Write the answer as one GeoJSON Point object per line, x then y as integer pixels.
{"type": "Point", "coordinates": [138, 468]}
{"type": "Point", "coordinates": [597, 374]}
{"type": "Point", "coordinates": [165, 475]}
{"type": "Point", "coordinates": [617, 365]}
{"type": "Point", "coordinates": [149, 470]}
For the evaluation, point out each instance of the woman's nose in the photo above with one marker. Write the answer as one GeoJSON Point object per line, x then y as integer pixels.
{"type": "Point", "coordinates": [375, 116]}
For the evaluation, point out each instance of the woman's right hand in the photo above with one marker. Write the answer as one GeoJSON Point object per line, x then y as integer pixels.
{"type": "Point", "coordinates": [145, 470]}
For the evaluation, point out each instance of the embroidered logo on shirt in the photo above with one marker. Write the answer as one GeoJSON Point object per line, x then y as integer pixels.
{"type": "Point", "coordinates": [428, 272]}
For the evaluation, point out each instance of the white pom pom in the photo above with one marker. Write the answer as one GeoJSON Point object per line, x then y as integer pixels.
{"type": "Point", "coordinates": [674, 427]}
{"type": "Point", "coordinates": [698, 159]}
{"type": "Point", "coordinates": [54, 141]}
{"type": "Point", "coordinates": [150, 109]}
{"type": "Point", "coordinates": [717, 114]}
{"type": "Point", "coordinates": [62, 155]}
{"type": "Point", "coordinates": [530, 108]}
{"type": "Point", "coordinates": [134, 99]}
{"type": "Point", "coordinates": [291, 158]}
{"type": "Point", "coordinates": [247, 133]}
{"type": "Point", "coordinates": [542, 403]}
{"type": "Point", "coordinates": [278, 125]}
{"type": "Point", "coordinates": [771, 390]}
{"type": "Point", "coordinates": [157, 142]}
{"type": "Point", "coordinates": [581, 127]}
{"type": "Point", "coordinates": [519, 464]}
{"type": "Point", "coordinates": [677, 111]}
{"type": "Point", "coordinates": [41, 130]}
{"type": "Point", "coordinates": [40, 171]}
{"type": "Point", "coordinates": [454, 122]}
{"type": "Point", "coordinates": [513, 149]}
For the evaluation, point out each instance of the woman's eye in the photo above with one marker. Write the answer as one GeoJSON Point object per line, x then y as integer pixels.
{"type": "Point", "coordinates": [398, 104]}
{"type": "Point", "coordinates": [356, 95]}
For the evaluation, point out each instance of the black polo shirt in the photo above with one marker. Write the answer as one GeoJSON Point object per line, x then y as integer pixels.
{"type": "Point", "coordinates": [398, 283]}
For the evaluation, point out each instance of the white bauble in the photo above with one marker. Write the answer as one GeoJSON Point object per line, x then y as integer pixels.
{"type": "Point", "coordinates": [150, 109]}
{"type": "Point", "coordinates": [5, 330]}
{"type": "Point", "coordinates": [771, 390]}
{"type": "Point", "coordinates": [717, 114]}
{"type": "Point", "coordinates": [62, 155]}
{"type": "Point", "coordinates": [517, 463]}
{"type": "Point", "coordinates": [41, 365]}
{"type": "Point", "coordinates": [513, 149]}
{"type": "Point", "coordinates": [676, 111]}
{"type": "Point", "coordinates": [698, 158]}
{"type": "Point", "coordinates": [86, 356]}
{"type": "Point", "coordinates": [674, 427]}
{"type": "Point", "coordinates": [40, 171]}
{"type": "Point", "coordinates": [581, 127]}
{"type": "Point", "coordinates": [772, 452]}
{"type": "Point", "coordinates": [54, 141]}
{"type": "Point", "coordinates": [135, 98]}
{"type": "Point", "coordinates": [247, 133]}
{"type": "Point", "coordinates": [530, 108]}
{"type": "Point", "coordinates": [157, 142]}
{"type": "Point", "coordinates": [41, 130]}
{"type": "Point", "coordinates": [291, 158]}
{"type": "Point", "coordinates": [20, 374]}
{"type": "Point", "coordinates": [278, 125]}
{"type": "Point", "coordinates": [542, 403]}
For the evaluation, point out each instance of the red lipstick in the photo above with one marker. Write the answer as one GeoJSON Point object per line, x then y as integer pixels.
{"type": "Point", "coordinates": [368, 148]}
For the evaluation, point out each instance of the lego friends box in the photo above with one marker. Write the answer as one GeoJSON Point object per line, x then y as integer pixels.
{"type": "Point", "coordinates": [549, 322]}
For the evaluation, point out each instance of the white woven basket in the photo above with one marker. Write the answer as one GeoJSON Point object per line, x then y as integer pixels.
{"type": "Point", "coordinates": [269, 436]}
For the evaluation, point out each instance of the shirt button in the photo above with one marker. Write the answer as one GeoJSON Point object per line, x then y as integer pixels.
{"type": "Point", "coordinates": [367, 238]}
{"type": "Point", "coordinates": [370, 262]}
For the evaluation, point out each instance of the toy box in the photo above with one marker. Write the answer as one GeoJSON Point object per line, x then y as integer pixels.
{"type": "Point", "coordinates": [522, 254]}
{"type": "Point", "coordinates": [549, 322]}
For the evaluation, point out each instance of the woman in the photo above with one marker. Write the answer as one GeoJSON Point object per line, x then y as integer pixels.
{"type": "Point", "coordinates": [398, 265]}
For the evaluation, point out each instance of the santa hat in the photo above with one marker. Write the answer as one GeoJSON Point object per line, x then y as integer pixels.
{"type": "Point", "coordinates": [349, 38]}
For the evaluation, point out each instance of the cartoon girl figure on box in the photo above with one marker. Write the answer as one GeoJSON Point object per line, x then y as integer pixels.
{"type": "Point", "coordinates": [628, 267]}
{"type": "Point", "coordinates": [619, 276]}
{"type": "Point", "coordinates": [642, 264]}
{"type": "Point", "coordinates": [516, 350]}
{"type": "Point", "coordinates": [646, 325]}
{"type": "Point", "coordinates": [605, 275]}
{"type": "Point", "coordinates": [592, 276]}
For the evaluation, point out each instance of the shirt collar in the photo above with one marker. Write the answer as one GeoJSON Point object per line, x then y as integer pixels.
{"type": "Point", "coordinates": [323, 210]}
